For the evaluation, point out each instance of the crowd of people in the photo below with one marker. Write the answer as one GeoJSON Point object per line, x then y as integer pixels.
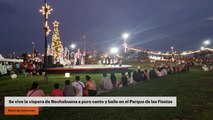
{"type": "Point", "coordinates": [30, 68]}
{"type": "Point", "coordinates": [77, 88]}
{"type": "Point", "coordinates": [89, 88]}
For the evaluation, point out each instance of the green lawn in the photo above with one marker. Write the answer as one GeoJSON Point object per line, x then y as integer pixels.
{"type": "Point", "coordinates": [193, 89]}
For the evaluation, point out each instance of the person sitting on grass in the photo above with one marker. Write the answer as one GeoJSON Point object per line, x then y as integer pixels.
{"type": "Point", "coordinates": [90, 86]}
{"type": "Point", "coordinates": [113, 80]}
{"type": "Point", "coordinates": [69, 90]}
{"type": "Point", "coordinates": [79, 86]}
{"type": "Point", "coordinates": [146, 73]}
{"type": "Point", "coordinates": [35, 91]}
{"type": "Point", "coordinates": [152, 73]}
{"type": "Point", "coordinates": [130, 78]}
{"type": "Point", "coordinates": [124, 80]}
{"type": "Point", "coordinates": [106, 83]}
{"type": "Point", "coordinates": [57, 91]}
{"type": "Point", "coordinates": [135, 76]}
{"type": "Point", "coordinates": [159, 72]}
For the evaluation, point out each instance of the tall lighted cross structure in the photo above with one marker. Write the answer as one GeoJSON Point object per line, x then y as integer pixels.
{"type": "Point", "coordinates": [125, 36]}
{"type": "Point", "coordinates": [46, 10]}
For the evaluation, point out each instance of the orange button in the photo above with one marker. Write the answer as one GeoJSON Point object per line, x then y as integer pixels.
{"type": "Point", "coordinates": [21, 110]}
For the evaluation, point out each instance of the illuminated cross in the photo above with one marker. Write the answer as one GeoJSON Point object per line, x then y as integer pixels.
{"type": "Point", "coordinates": [46, 10]}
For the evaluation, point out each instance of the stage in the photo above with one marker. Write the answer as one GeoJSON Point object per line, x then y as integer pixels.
{"type": "Point", "coordinates": [88, 69]}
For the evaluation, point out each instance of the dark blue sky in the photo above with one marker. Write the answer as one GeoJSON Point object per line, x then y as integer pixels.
{"type": "Point", "coordinates": [152, 24]}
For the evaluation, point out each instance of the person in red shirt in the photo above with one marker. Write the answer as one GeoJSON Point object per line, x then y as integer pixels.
{"type": "Point", "coordinates": [57, 91]}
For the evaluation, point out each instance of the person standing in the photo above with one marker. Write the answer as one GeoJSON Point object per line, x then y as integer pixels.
{"type": "Point", "coordinates": [79, 86]}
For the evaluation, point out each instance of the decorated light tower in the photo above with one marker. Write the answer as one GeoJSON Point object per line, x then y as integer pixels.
{"type": "Point", "coordinates": [46, 10]}
{"type": "Point", "coordinates": [56, 41]}
{"type": "Point", "coordinates": [125, 36]}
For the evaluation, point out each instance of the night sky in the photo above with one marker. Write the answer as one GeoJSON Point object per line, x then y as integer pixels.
{"type": "Point", "coordinates": [152, 24]}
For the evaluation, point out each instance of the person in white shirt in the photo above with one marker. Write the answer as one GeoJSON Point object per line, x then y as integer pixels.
{"type": "Point", "coordinates": [106, 83]}
{"type": "Point", "coordinates": [159, 72]}
{"type": "Point", "coordinates": [79, 86]}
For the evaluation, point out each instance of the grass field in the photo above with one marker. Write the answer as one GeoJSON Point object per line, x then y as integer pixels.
{"type": "Point", "coordinates": [193, 89]}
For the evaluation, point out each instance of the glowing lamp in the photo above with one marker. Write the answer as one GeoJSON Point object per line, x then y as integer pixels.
{"type": "Point", "coordinates": [207, 42]}
{"type": "Point", "coordinates": [67, 75]}
{"type": "Point", "coordinates": [114, 50]}
{"type": "Point", "coordinates": [125, 35]}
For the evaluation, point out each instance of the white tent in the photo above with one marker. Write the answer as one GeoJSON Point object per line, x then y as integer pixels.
{"type": "Point", "coordinates": [9, 60]}
{"type": "Point", "coordinates": [2, 58]}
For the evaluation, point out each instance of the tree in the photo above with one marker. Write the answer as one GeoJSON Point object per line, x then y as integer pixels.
{"type": "Point", "coordinates": [56, 41]}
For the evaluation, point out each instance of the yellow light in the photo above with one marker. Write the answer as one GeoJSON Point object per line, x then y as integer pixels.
{"type": "Point", "coordinates": [47, 28]}
{"type": "Point", "coordinates": [46, 9]}
{"type": "Point", "coordinates": [55, 23]}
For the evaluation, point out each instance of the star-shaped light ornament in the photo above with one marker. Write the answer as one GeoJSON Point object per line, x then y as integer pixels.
{"type": "Point", "coordinates": [55, 23]}
{"type": "Point", "coordinates": [46, 9]}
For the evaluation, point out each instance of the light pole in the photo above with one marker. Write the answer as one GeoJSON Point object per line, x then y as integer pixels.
{"type": "Point", "coordinates": [46, 10]}
{"type": "Point", "coordinates": [72, 46]}
{"type": "Point", "coordinates": [125, 36]}
{"type": "Point", "coordinates": [14, 54]}
{"type": "Point", "coordinates": [172, 48]}
{"type": "Point", "coordinates": [33, 49]}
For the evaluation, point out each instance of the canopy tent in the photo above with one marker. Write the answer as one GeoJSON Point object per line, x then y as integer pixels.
{"type": "Point", "coordinates": [2, 59]}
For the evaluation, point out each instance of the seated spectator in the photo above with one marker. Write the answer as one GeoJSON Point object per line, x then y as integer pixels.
{"type": "Point", "coordinates": [140, 75]}
{"type": "Point", "coordinates": [79, 86]}
{"type": "Point", "coordinates": [90, 86]}
{"type": "Point", "coordinates": [164, 71]}
{"type": "Point", "coordinates": [135, 76]}
{"type": "Point", "coordinates": [57, 91]}
{"type": "Point", "coordinates": [152, 73]}
{"type": "Point", "coordinates": [129, 77]}
{"type": "Point", "coordinates": [124, 80]}
{"type": "Point", "coordinates": [69, 90]}
{"type": "Point", "coordinates": [113, 80]}
{"type": "Point", "coordinates": [106, 83]}
{"type": "Point", "coordinates": [159, 73]}
{"type": "Point", "coordinates": [35, 91]}
{"type": "Point", "coordinates": [147, 75]}
{"type": "Point", "coordinates": [143, 75]}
